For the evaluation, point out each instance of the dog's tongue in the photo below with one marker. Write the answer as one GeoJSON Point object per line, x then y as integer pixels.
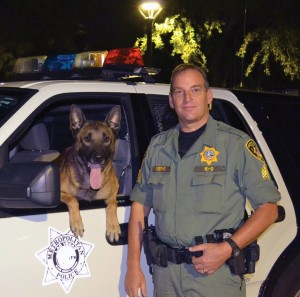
{"type": "Point", "coordinates": [95, 176]}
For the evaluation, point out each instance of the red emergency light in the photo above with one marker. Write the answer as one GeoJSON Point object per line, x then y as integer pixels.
{"type": "Point", "coordinates": [124, 56]}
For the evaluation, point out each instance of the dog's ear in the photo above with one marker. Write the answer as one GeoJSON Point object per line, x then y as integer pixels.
{"type": "Point", "coordinates": [77, 119]}
{"type": "Point", "coordinates": [113, 119]}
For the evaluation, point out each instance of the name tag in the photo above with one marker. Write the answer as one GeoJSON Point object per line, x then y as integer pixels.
{"type": "Point", "coordinates": [161, 169]}
{"type": "Point", "coordinates": [209, 169]}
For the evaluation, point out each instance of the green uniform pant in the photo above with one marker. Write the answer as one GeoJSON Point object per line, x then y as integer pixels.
{"type": "Point", "coordinates": [184, 281]}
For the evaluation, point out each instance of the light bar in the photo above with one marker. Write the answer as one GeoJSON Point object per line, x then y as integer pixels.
{"type": "Point", "coordinates": [116, 64]}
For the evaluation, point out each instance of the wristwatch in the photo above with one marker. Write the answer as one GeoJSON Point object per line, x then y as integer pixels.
{"type": "Point", "coordinates": [235, 248]}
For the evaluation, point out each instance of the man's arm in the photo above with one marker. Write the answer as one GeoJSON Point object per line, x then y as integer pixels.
{"type": "Point", "coordinates": [215, 255]}
{"type": "Point", "coordinates": [135, 278]}
{"type": "Point", "coordinates": [262, 218]}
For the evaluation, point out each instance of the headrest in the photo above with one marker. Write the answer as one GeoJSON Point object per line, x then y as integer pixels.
{"type": "Point", "coordinates": [36, 139]}
{"type": "Point", "coordinates": [122, 150]}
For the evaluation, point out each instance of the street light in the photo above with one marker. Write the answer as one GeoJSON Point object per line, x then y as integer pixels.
{"type": "Point", "coordinates": [149, 10]}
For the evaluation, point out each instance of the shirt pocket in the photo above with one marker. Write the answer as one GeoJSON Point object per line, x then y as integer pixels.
{"type": "Point", "coordinates": [158, 182]}
{"type": "Point", "coordinates": [207, 188]}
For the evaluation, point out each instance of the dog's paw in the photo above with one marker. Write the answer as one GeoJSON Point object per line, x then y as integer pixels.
{"type": "Point", "coordinates": [113, 232]}
{"type": "Point", "coordinates": [77, 227]}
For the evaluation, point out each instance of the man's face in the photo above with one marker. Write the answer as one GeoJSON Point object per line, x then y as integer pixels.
{"type": "Point", "coordinates": [190, 99]}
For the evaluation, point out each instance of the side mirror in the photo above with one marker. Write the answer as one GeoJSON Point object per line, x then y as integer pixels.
{"type": "Point", "coordinates": [29, 185]}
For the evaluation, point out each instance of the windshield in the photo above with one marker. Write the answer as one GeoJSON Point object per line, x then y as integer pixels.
{"type": "Point", "coordinates": [11, 100]}
{"type": "Point", "coordinates": [277, 116]}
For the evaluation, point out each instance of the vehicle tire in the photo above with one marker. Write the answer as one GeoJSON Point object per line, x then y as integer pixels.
{"type": "Point", "coordinates": [288, 285]}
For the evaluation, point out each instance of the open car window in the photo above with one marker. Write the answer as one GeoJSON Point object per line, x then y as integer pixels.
{"type": "Point", "coordinates": [48, 135]}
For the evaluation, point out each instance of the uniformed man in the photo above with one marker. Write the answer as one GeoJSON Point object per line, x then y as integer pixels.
{"type": "Point", "coordinates": [196, 177]}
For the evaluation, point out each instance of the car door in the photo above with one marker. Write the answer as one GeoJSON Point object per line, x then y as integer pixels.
{"type": "Point", "coordinates": [40, 255]}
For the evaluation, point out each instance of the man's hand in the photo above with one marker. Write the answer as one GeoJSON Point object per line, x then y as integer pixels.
{"type": "Point", "coordinates": [214, 256]}
{"type": "Point", "coordinates": [135, 283]}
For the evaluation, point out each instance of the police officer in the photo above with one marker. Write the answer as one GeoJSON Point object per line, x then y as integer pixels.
{"type": "Point", "coordinates": [196, 177]}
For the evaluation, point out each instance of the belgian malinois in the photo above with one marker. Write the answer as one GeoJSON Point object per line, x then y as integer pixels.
{"type": "Point", "coordinates": [86, 170]}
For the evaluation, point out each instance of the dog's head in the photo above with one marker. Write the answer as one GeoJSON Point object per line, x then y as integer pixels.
{"type": "Point", "coordinates": [95, 140]}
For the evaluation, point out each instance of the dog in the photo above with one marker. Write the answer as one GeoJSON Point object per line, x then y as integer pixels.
{"type": "Point", "coordinates": [86, 170]}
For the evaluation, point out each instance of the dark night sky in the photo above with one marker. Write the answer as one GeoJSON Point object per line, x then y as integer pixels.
{"type": "Point", "coordinates": [35, 27]}
{"type": "Point", "coordinates": [104, 24]}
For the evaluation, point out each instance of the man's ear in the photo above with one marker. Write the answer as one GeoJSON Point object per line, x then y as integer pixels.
{"type": "Point", "coordinates": [209, 96]}
{"type": "Point", "coordinates": [77, 119]}
{"type": "Point", "coordinates": [113, 119]}
{"type": "Point", "coordinates": [171, 101]}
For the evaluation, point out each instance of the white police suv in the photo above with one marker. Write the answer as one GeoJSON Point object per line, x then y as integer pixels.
{"type": "Point", "coordinates": [39, 255]}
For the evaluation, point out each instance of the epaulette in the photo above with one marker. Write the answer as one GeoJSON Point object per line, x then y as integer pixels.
{"type": "Point", "coordinates": [231, 130]}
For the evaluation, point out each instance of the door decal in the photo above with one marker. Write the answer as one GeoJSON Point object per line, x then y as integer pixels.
{"type": "Point", "coordinates": [64, 259]}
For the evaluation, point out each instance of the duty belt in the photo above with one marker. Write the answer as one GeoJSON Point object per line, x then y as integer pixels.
{"type": "Point", "coordinates": [159, 253]}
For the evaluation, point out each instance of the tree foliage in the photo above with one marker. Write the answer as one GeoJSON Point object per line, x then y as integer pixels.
{"type": "Point", "coordinates": [267, 46]}
{"type": "Point", "coordinates": [6, 61]}
{"type": "Point", "coordinates": [185, 39]}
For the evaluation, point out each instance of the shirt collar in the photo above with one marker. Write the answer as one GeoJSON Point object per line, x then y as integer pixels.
{"type": "Point", "coordinates": [208, 138]}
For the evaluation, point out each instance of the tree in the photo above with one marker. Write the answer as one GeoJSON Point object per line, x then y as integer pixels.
{"type": "Point", "coordinates": [6, 61]}
{"type": "Point", "coordinates": [272, 46]}
{"type": "Point", "coordinates": [185, 39]}
{"type": "Point", "coordinates": [276, 24]}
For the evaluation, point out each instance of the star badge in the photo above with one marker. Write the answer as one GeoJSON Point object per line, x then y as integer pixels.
{"type": "Point", "coordinates": [209, 155]}
{"type": "Point", "coordinates": [64, 259]}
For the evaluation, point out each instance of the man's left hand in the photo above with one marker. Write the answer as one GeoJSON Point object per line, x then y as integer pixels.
{"type": "Point", "coordinates": [214, 256]}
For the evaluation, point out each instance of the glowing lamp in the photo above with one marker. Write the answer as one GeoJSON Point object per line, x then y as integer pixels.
{"type": "Point", "coordinates": [150, 10]}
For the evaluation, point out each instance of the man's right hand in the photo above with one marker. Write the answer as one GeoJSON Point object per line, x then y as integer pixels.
{"type": "Point", "coordinates": [135, 283]}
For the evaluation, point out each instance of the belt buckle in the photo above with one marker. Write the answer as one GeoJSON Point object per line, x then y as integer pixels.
{"type": "Point", "coordinates": [184, 255]}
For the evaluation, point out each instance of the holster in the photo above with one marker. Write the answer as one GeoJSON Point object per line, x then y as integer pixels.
{"type": "Point", "coordinates": [159, 253]}
{"type": "Point", "coordinates": [244, 263]}
{"type": "Point", "coordinates": [252, 254]}
{"type": "Point", "coordinates": [155, 251]}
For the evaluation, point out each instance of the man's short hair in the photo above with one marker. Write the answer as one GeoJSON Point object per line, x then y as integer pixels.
{"type": "Point", "coordinates": [182, 67]}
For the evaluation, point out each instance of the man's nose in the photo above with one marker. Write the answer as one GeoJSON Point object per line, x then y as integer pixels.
{"type": "Point", "coordinates": [187, 95]}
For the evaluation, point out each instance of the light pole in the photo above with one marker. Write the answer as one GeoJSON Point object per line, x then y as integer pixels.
{"type": "Point", "coordinates": [149, 10]}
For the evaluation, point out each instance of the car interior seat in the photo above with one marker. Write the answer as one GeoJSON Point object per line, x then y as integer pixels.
{"type": "Point", "coordinates": [122, 165]}
{"type": "Point", "coordinates": [35, 146]}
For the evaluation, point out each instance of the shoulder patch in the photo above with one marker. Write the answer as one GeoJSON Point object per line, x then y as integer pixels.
{"type": "Point", "coordinates": [254, 151]}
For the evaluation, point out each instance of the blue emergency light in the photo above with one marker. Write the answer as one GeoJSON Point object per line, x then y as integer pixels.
{"type": "Point", "coordinates": [59, 62]}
